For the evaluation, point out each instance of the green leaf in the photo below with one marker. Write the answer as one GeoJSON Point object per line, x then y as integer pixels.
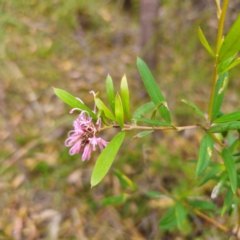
{"type": "Point", "coordinates": [211, 174]}
{"type": "Point", "coordinates": [110, 92]}
{"type": "Point", "coordinates": [204, 42]}
{"type": "Point", "coordinates": [114, 200]}
{"type": "Point", "coordinates": [168, 220]}
{"type": "Point", "coordinates": [143, 134]}
{"type": "Point", "coordinates": [125, 181]}
{"type": "Point", "coordinates": [231, 169]}
{"type": "Point", "coordinates": [234, 116]}
{"type": "Point", "coordinates": [204, 155]}
{"type": "Point", "coordinates": [141, 111]}
{"type": "Point", "coordinates": [102, 107]}
{"type": "Point", "coordinates": [153, 122]}
{"type": "Point", "coordinates": [180, 214]}
{"type": "Point", "coordinates": [125, 97]}
{"type": "Point", "coordinates": [227, 202]}
{"type": "Point", "coordinates": [225, 64]}
{"type": "Point", "coordinates": [222, 127]}
{"type": "Point", "coordinates": [106, 158]}
{"type": "Point", "coordinates": [220, 89]}
{"type": "Point", "coordinates": [202, 204]}
{"type": "Point", "coordinates": [119, 111]}
{"type": "Point", "coordinates": [195, 108]}
{"type": "Point", "coordinates": [73, 102]}
{"type": "Point", "coordinates": [153, 89]}
{"type": "Point", "coordinates": [154, 194]}
{"type": "Point", "coordinates": [231, 43]}
{"type": "Point", "coordinates": [232, 65]}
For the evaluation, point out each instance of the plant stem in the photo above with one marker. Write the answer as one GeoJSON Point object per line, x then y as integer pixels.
{"type": "Point", "coordinates": [218, 46]}
{"type": "Point", "coordinates": [132, 127]}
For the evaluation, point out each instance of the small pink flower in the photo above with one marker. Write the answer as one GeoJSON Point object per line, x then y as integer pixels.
{"type": "Point", "coordinates": [102, 143]}
{"type": "Point", "coordinates": [86, 152]}
{"type": "Point", "coordinates": [82, 139]}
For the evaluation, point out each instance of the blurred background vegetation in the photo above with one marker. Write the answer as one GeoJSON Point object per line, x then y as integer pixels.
{"type": "Point", "coordinates": [73, 45]}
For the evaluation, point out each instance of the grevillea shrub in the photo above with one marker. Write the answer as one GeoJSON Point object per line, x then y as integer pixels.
{"type": "Point", "coordinates": [87, 127]}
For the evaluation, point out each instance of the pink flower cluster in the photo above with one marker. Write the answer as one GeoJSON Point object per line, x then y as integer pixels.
{"type": "Point", "coordinates": [82, 139]}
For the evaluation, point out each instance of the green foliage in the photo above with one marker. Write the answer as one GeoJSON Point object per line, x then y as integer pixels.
{"type": "Point", "coordinates": [143, 134]}
{"type": "Point", "coordinates": [223, 127]}
{"type": "Point", "coordinates": [231, 169]}
{"type": "Point", "coordinates": [153, 89]}
{"type": "Point", "coordinates": [142, 110]}
{"type": "Point", "coordinates": [153, 122]}
{"type": "Point", "coordinates": [125, 97]}
{"type": "Point", "coordinates": [234, 116]}
{"type": "Point", "coordinates": [72, 101]}
{"type": "Point", "coordinates": [114, 200]}
{"type": "Point", "coordinates": [204, 155]}
{"type": "Point", "coordinates": [110, 92]}
{"type": "Point", "coordinates": [220, 89]}
{"type": "Point", "coordinates": [180, 213]}
{"type": "Point", "coordinates": [232, 65]}
{"type": "Point", "coordinates": [168, 221]}
{"type": "Point", "coordinates": [223, 66]}
{"type": "Point", "coordinates": [102, 107]}
{"type": "Point", "coordinates": [231, 43]}
{"type": "Point", "coordinates": [106, 158]}
{"type": "Point", "coordinates": [204, 42]}
{"type": "Point", "coordinates": [202, 204]}
{"type": "Point", "coordinates": [195, 108]}
{"type": "Point", "coordinates": [227, 202]}
{"type": "Point", "coordinates": [125, 181]}
{"type": "Point", "coordinates": [211, 174]}
{"type": "Point", "coordinates": [119, 111]}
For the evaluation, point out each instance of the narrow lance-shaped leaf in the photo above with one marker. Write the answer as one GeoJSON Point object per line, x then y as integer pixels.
{"type": "Point", "coordinates": [211, 174]}
{"type": "Point", "coordinates": [180, 214]}
{"type": "Point", "coordinates": [234, 116]}
{"type": "Point", "coordinates": [231, 44]}
{"type": "Point", "coordinates": [168, 220]}
{"type": "Point", "coordinates": [223, 127]}
{"type": "Point", "coordinates": [106, 158]}
{"type": "Point", "coordinates": [119, 111]}
{"type": "Point", "coordinates": [125, 181]}
{"type": "Point", "coordinates": [195, 108]}
{"type": "Point", "coordinates": [101, 106]}
{"type": "Point", "coordinates": [143, 134]}
{"type": "Point", "coordinates": [202, 204]}
{"type": "Point", "coordinates": [232, 65]}
{"type": "Point", "coordinates": [73, 102]}
{"type": "Point", "coordinates": [110, 92]}
{"type": "Point", "coordinates": [220, 89]}
{"type": "Point", "coordinates": [204, 42]}
{"type": "Point", "coordinates": [141, 111]}
{"type": "Point", "coordinates": [153, 89]}
{"type": "Point", "coordinates": [125, 97]}
{"type": "Point", "coordinates": [227, 202]}
{"type": "Point", "coordinates": [114, 200]}
{"type": "Point", "coordinates": [153, 122]}
{"type": "Point", "coordinates": [204, 155]}
{"type": "Point", "coordinates": [231, 168]}
{"type": "Point", "coordinates": [225, 64]}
